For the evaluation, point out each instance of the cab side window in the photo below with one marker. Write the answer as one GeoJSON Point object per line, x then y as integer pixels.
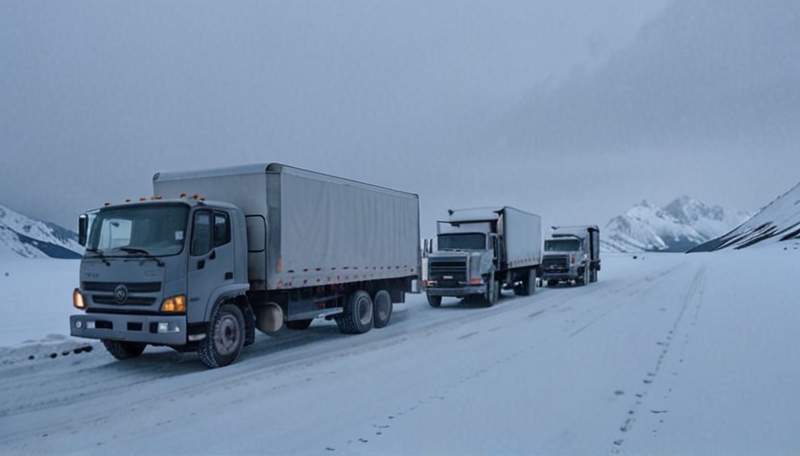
{"type": "Point", "coordinates": [222, 229]}
{"type": "Point", "coordinates": [201, 233]}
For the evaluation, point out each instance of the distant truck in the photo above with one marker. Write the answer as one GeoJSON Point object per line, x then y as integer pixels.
{"type": "Point", "coordinates": [571, 255]}
{"type": "Point", "coordinates": [480, 251]}
{"type": "Point", "coordinates": [256, 246]}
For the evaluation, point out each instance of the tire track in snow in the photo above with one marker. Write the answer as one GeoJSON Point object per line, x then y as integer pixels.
{"type": "Point", "coordinates": [553, 300]}
{"type": "Point", "coordinates": [693, 298]}
{"type": "Point", "coordinates": [380, 426]}
{"type": "Point", "coordinates": [633, 289]}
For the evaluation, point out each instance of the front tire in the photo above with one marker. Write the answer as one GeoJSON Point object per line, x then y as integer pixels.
{"type": "Point", "coordinates": [224, 339]}
{"type": "Point", "coordinates": [492, 293]}
{"type": "Point", "coordinates": [357, 316]}
{"type": "Point", "coordinates": [124, 350]}
{"type": "Point", "coordinates": [584, 278]}
{"type": "Point", "coordinates": [434, 301]}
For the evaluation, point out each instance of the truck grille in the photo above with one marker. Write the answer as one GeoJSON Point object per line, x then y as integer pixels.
{"type": "Point", "coordinates": [555, 264]}
{"type": "Point", "coordinates": [131, 301]}
{"type": "Point", "coordinates": [448, 273]}
{"type": "Point", "coordinates": [133, 287]}
{"type": "Point", "coordinates": [103, 292]}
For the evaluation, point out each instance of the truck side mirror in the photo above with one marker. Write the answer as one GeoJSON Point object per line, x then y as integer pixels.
{"type": "Point", "coordinates": [83, 229]}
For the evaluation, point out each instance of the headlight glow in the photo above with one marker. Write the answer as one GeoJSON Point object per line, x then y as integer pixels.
{"type": "Point", "coordinates": [174, 304]}
{"type": "Point", "coordinates": [77, 300]}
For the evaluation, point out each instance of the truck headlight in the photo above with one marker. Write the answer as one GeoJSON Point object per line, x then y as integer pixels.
{"type": "Point", "coordinates": [174, 304]}
{"type": "Point", "coordinates": [77, 300]}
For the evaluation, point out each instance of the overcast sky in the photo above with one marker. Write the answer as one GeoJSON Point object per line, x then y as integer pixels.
{"type": "Point", "coordinates": [575, 110]}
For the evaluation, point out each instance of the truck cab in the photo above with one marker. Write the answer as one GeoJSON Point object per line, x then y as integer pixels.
{"type": "Point", "coordinates": [462, 265]}
{"type": "Point", "coordinates": [156, 271]}
{"type": "Point", "coordinates": [571, 255]}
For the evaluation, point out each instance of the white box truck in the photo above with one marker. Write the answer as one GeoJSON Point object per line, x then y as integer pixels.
{"type": "Point", "coordinates": [217, 253]}
{"type": "Point", "coordinates": [571, 255]}
{"type": "Point", "coordinates": [480, 251]}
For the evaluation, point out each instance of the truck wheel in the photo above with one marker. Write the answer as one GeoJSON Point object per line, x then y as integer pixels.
{"type": "Point", "coordinates": [583, 279]}
{"type": "Point", "coordinates": [124, 350]}
{"type": "Point", "coordinates": [492, 293]}
{"type": "Point", "coordinates": [225, 337]}
{"type": "Point", "coordinates": [593, 277]}
{"type": "Point", "coordinates": [552, 283]}
{"type": "Point", "coordinates": [381, 309]}
{"type": "Point", "coordinates": [434, 301]}
{"type": "Point", "coordinates": [299, 324]}
{"type": "Point", "coordinates": [530, 284]}
{"type": "Point", "coordinates": [357, 316]}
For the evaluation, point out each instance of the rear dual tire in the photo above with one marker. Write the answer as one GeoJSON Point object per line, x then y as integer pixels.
{"type": "Point", "coordinates": [528, 285]}
{"type": "Point", "coordinates": [357, 317]}
{"type": "Point", "coordinates": [381, 309]}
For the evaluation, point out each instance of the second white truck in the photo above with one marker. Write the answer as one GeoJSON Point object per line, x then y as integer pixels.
{"type": "Point", "coordinates": [481, 251]}
{"type": "Point", "coordinates": [571, 255]}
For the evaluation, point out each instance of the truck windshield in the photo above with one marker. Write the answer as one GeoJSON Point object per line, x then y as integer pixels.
{"type": "Point", "coordinates": [151, 229]}
{"type": "Point", "coordinates": [562, 245]}
{"type": "Point", "coordinates": [462, 241]}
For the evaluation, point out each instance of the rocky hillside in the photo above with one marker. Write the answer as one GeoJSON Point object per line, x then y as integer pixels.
{"type": "Point", "coordinates": [24, 236]}
{"type": "Point", "coordinates": [778, 221]}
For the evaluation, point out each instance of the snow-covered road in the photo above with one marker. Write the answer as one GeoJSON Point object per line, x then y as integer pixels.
{"type": "Point", "coordinates": [666, 354]}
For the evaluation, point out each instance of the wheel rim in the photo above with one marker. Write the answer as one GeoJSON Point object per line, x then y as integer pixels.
{"type": "Point", "coordinates": [226, 335]}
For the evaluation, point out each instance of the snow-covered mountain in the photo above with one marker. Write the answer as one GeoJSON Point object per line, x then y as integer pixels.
{"type": "Point", "coordinates": [21, 235]}
{"type": "Point", "coordinates": [681, 225]}
{"type": "Point", "coordinates": [777, 221]}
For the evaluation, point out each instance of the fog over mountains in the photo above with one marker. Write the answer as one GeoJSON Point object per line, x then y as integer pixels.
{"type": "Point", "coordinates": [685, 224]}
{"type": "Point", "coordinates": [23, 236]}
{"type": "Point", "coordinates": [681, 225]}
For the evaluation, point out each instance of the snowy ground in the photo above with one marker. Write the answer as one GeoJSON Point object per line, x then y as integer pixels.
{"type": "Point", "coordinates": [666, 354]}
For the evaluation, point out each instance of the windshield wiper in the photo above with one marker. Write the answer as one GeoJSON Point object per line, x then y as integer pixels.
{"type": "Point", "coordinates": [143, 252]}
{"type": "Point", "coordinates": [100, 255]}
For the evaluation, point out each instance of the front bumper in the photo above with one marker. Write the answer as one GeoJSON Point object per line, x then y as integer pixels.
{"type": "Point", "coordinates": [150, 329]}
{"type": "Point", "coordinates": [456, 292]}
{"type": "Point", "coordinates": [569, 275]}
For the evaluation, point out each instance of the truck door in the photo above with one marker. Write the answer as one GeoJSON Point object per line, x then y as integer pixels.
{"type": "Point", "coordinates": [497, 250]}
{"type": "Point", "coordinates": [210, 259]}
